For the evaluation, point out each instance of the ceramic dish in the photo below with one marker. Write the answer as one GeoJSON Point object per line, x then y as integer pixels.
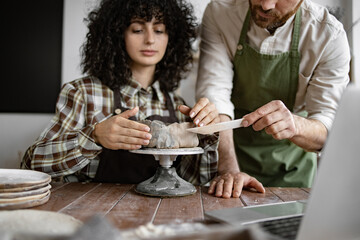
{"type": "Point", "coordinates": [15, 180]}
{"type": "Point", "coordinates": [25, 193]}
{"type": "Point", "coordinates": [23, 199]}
{"type": "Point", "coordinates": [25, 204]}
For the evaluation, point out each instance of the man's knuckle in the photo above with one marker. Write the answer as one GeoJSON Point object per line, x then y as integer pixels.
{"type": "Point", "coordinates": [259, 111]}
{"type": "Point", "coordinates": [267, 120]}
{"type": "Point", "coordinates": [278, 103]}
{"type": "Point", "coordinates": [267, 130]}
{"type": "Point", "coordinates": [277, 136]}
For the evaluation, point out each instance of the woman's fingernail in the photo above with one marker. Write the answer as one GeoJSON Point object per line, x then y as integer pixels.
{"type": "Point", "coordinates": [197, 121]}
{"type": "Point", "coordinates": [147, 129]}
{"type": "Point", "coordinates": [192, 114]}
{"type": "Point", "coordinates": [201, 124]}
{"type": "Point", "coordinates": [148, 136]}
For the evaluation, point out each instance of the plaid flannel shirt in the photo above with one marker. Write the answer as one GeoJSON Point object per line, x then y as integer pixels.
{"type": "Point", "coordinates": [65, 148]}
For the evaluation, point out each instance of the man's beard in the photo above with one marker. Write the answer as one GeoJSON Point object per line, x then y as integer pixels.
{"type": "Point", "coordinates": [276, 20]}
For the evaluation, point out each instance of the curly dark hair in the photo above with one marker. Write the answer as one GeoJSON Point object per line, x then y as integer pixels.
{"type": "Point", "coordinates": [104, 54]}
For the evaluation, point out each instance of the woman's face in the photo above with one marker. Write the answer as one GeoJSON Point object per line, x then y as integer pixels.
{"type": "Point", "coordinates": [146, 42]}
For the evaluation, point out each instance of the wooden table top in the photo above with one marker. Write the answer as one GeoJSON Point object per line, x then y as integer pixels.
{"type": "Point", "coordinates": [127, 209]}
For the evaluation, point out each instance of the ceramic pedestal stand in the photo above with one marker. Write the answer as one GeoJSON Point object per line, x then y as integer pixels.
{"type": "Point", "coordinates": [166, 182]}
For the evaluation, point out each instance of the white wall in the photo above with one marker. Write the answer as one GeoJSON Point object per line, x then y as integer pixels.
{"type": "Point", "coordinates": [355, 37]}
{"type": "Point", "coordinates": [18, 131]}
{"type": "Point", "coordinates": [187, 86]}
{"type": "Point", "coordinates": [350, 11]}
{"type": "Point", "coordinates": [73, 36]}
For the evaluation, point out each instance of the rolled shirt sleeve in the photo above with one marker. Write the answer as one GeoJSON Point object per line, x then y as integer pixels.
{"type": "Point", "coordinates": [329, 77]}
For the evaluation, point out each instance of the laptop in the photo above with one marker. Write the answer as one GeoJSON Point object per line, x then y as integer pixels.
{"type": "Point", "coordinates": [333, 209]}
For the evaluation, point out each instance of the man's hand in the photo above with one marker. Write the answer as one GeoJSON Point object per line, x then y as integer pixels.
{"type": "Point", "coordinates": [203, 113]}
{"type": "Point", "coordinates": [279, 122]}
{"type": "Point", "coordinates": [118, 132]}
{"type": "Point", "coordinates": [231, 184]}
{"type": "Point", "coordinates": [275, 118]}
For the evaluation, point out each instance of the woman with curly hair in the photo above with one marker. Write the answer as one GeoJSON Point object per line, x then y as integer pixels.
{"type": "Point", "coordinates": [135, 55]}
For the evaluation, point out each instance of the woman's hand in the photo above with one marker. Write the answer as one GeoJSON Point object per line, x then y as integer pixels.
{"type": "Point", "coordinates": [203, 113]}
{"type": "Point", "coordinates": [118, 132]}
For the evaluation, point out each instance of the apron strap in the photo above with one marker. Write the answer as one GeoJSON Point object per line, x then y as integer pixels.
{"type": "Point", "coordinates": [169, 105]}
{"type": "Point", "coordinates": [296, 32]}
{"type": "Point", "coordinates": [245, 28]}
{"type": "Point", "coordinates": [117, 104]}
{"type": "Point", "coordinates": [117, 99]}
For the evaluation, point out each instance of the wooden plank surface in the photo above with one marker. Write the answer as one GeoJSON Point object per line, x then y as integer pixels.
{"type": "Point", "coordinates": [210, 202]}
{"type": "Point", "coordinates": [180, 209]}
{"type": "Point", "coordinates": [99, 201]}
{"type": "Point", "coordinates": [289, 194]}
{"type": "Point", "coordinates": [125, 208]}
{"type": "Point", "coordinates": [63, 196]}
{"type": "Point", "coordinates": [57, 185]}
{"type": "Point", "coordinates": [133, 210]}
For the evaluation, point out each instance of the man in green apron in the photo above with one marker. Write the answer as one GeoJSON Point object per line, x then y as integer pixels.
{"type": "Point", "coordinates": [283, 70]}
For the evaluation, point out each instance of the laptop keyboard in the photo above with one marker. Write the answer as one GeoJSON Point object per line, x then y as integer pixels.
{"type": "Point", "coordinates": [286, 228]}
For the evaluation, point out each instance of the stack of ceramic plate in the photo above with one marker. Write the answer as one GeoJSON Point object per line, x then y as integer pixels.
{"type": "Point", "coordinates": [23, 188]}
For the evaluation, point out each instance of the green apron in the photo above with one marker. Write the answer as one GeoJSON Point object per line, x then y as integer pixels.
{"type": "Point", "coordinates": [259, 79]}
